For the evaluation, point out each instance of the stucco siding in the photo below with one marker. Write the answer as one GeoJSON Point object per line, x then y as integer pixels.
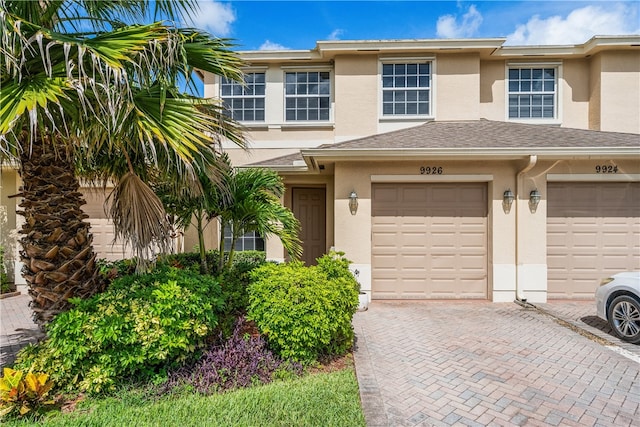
{"type": "Point", "coordinates": [575, 94]}
{"type": "Point", "coordinates": [620, 92]}
{"type": "Point", "coordinates": [492, 90]}
{"type": "Point", "coordinates": [457, 90]}
{"type": "Point", "coordinates": [356, 86]}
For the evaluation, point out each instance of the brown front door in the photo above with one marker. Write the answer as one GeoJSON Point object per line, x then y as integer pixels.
{"type": "Point", "coordinates": [309, 206]}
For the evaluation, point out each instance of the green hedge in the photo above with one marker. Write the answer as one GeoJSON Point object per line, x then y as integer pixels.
{"type": "Point", "coordinates": [139, 325]}
{"type": "Point", "coordinates": [305, 312]}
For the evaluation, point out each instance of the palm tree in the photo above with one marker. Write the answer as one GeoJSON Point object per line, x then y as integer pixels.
{"type": "Point", "coordinates": [254, 205]}
{"type": "Point", "coordinates": [82, 88]}
{"type": "Point", "coordinates": [200, 202]}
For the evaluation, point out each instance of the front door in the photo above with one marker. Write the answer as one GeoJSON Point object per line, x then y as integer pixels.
{"type": "Point", "coordinates": [309, 207]}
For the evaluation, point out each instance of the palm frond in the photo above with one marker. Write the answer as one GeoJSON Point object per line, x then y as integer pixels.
{"type": "Point", "coordinates": [139, 217]}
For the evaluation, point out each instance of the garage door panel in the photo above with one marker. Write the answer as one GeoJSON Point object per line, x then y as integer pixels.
{"type": "Point", "coordinates": [440, 241]}
{"type": "Point", "coordinates": [593, 230]}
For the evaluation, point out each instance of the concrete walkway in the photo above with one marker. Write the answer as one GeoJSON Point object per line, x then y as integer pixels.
{"type": "Point", "coordinates": [480, 363]}
{"type": "Point", "coordinates": [17, 329]}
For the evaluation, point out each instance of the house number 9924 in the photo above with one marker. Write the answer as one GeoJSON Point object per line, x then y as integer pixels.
{"type": "Point", "coordinates": [430, 170]}
{"type": "Point", "coordinates": [606, 169]}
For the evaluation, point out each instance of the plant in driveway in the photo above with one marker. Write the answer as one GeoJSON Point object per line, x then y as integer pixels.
{"type": "Point", "coordinates": [305, 312]}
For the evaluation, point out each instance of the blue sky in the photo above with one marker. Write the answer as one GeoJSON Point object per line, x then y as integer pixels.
{"type": "Point", "coordinates": [299, 24]}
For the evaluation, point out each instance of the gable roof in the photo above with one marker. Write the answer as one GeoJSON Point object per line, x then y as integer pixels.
{"type": "Point", "coordinates": [472, 139]}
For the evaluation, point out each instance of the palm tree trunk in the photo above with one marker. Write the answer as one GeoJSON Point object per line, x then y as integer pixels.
{"type": "Point", "coordinates": [204, 268]}
{"type": "Point", "coordinates": [57, 251]}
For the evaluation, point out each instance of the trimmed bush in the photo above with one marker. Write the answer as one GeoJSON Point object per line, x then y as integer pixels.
{"type": "Point", "coordinates": [140, 325]}
{"type": "Point", "coordinates": [242, 361]}
{"type": "Point", "coordinates": [244, 261]}
{"type": "Point", "coordinates": [305, 312]}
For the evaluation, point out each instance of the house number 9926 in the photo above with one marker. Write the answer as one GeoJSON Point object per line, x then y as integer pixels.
{"type": "Point", "coordinates": [606, 169]}
{"type": "Point", "coordinates": [430, 170]}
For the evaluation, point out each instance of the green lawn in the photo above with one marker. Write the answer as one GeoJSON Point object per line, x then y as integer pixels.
{"type": "Point", "coordinates": [325, 399]}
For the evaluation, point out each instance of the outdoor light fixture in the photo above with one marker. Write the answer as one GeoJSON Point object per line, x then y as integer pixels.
{"type": "Point", "coordinates": [507, 200]}
{"type": "Point", "coordinates": [534, 199]}
{"type": "Point", "coordinates": [353, 202]}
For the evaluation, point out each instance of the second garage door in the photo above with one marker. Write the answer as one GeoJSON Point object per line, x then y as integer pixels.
{"type": "Point", "coordinates": [429, 241]}
{"type": "Point", "coordinates": [593, 230]}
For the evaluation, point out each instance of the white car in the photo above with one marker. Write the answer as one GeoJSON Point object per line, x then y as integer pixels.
{"type": "Point", "coordinates": [618, 302]}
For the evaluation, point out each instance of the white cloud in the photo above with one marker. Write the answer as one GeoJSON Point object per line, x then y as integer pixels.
{"type": "Point", "coordinates": [579, 26]}
{"type": "Point", "coordinates": [335, 34]}
{"type": "Point", "coordinates": [216, 18]}
{"type": "Point", "coordinates": [269, 45]}
{"type": "Point", "coordinates": [448, 26]}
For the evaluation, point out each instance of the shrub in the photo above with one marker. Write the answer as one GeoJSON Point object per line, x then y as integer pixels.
{"type": "Point", "coordinates": [23, 393]}
{"type": "Point", "coordinates": [139, 325]}
{"type": "Point", "coordinates": [243, 360]}
{"type": "Point", "coordinates": [305, 312]}
{"type": "Point", "coordinates": [244, 261]}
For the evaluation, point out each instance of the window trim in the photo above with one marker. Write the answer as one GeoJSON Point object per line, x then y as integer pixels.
{"type": "Point", "coordinates": [432, 88]}
{"type": "Point", "coordinates": [557, 65]}
{"type": "Point", "coordinates": [252, 70]}
{"type": "Point", "coordinates": [223, 228]}
{"type": "Point", "coordinates": [308, 69]}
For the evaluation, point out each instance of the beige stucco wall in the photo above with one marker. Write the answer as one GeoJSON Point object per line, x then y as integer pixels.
{"type": "Point", "coordinates": [574, 90]}
{"type": "Point", "coordinates": [492, 90]}
{"type": "Point", "coordinates": [517, 242]}
{"type": "Point", "coordinates": [620, 92]}
{"type": "Point", "coordinates": [595, 90]}
{"type": "Point", "coordinates": [9, 182]}
{"type": "Point", "coordinates": [457, 87]}
{"type": "Point", "coordinates": [356, 80]}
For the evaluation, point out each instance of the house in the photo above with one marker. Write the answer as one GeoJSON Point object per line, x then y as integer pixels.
{"type": "Point", "coordinates": [447, 169]}
{"type": "Point", "coordinates": [453, 168]}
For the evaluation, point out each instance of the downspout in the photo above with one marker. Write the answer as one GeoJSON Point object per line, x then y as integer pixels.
{"type": "Point", "coordinates": [533, 159]}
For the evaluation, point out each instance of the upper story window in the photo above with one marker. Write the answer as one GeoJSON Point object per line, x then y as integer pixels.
{"type": "Point", "coordinates": [245, 102]}
{"type": "Point", "coordinates": [406, 89]}
{"type": "Point", "coordinates": [532, 93]}
{"type": "Point", "coordinates": [307, 95]}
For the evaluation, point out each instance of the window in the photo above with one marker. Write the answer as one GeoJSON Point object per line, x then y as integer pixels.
{"type": "Point", "coordinates": [532, 93]}
{"type": "Point", "coordinates": [244, 103]}
{"type": "Point", "coordinates": [406, 89]}
{"type": "Point", "coordinates": [307, 96]}
{"type": "Point", "coordinates": [251, 241]}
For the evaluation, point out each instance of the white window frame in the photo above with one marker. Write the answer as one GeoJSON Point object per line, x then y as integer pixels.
{"type": "Point", "coordinates": [308, 69]}
{"type": "Point", "coordinates": [431, 88]}
{"type": "Point", "coordinates": [250, 236]}
{"type": "Point", "coordinates": [245, 96]}
{"type": "Point", "coordinates": [557, 99]}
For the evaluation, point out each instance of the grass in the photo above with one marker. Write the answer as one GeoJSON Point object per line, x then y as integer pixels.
{"type": "Point", "coordinates": [324, 399]}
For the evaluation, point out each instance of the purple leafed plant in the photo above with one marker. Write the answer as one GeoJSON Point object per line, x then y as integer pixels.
{"type": "Point", "coordinates": [241, 361]}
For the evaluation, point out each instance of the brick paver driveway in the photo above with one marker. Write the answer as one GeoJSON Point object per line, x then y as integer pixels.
{"type": "Point", "coordinates": [480, 363]}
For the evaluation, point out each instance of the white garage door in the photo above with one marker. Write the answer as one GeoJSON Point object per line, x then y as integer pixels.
{"type": "Point", "coordinates": [102, 228]}
{"type": "Point", "coordinates": [593, 230]}
{"type": "Point", "coordinates": [429, 241]}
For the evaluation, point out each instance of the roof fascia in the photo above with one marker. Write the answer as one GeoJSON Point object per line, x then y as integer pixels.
{"type": "Point", "coordinates": [593, 45]}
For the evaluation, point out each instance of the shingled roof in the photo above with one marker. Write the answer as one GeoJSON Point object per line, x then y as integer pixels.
{"type": "Point", "coordinates": [488, 133]}
{"type": "Point", "coordinates": [470, 137]}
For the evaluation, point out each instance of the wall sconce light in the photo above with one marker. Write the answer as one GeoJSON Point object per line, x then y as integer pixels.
{"type": "Point", "coordinates": [507, 200]}
{"type": "Point", "coordinates": [353, 202]}
{"type": "Point", "coordinates": [534, 199]}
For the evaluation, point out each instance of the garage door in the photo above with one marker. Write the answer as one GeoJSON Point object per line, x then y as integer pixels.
{"type": "Point", "coordinates": [429, 241]}
{"type": "Point", "coordinates": [593, 230]}
{"type": "Point", "coordinates": [102, 228]}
